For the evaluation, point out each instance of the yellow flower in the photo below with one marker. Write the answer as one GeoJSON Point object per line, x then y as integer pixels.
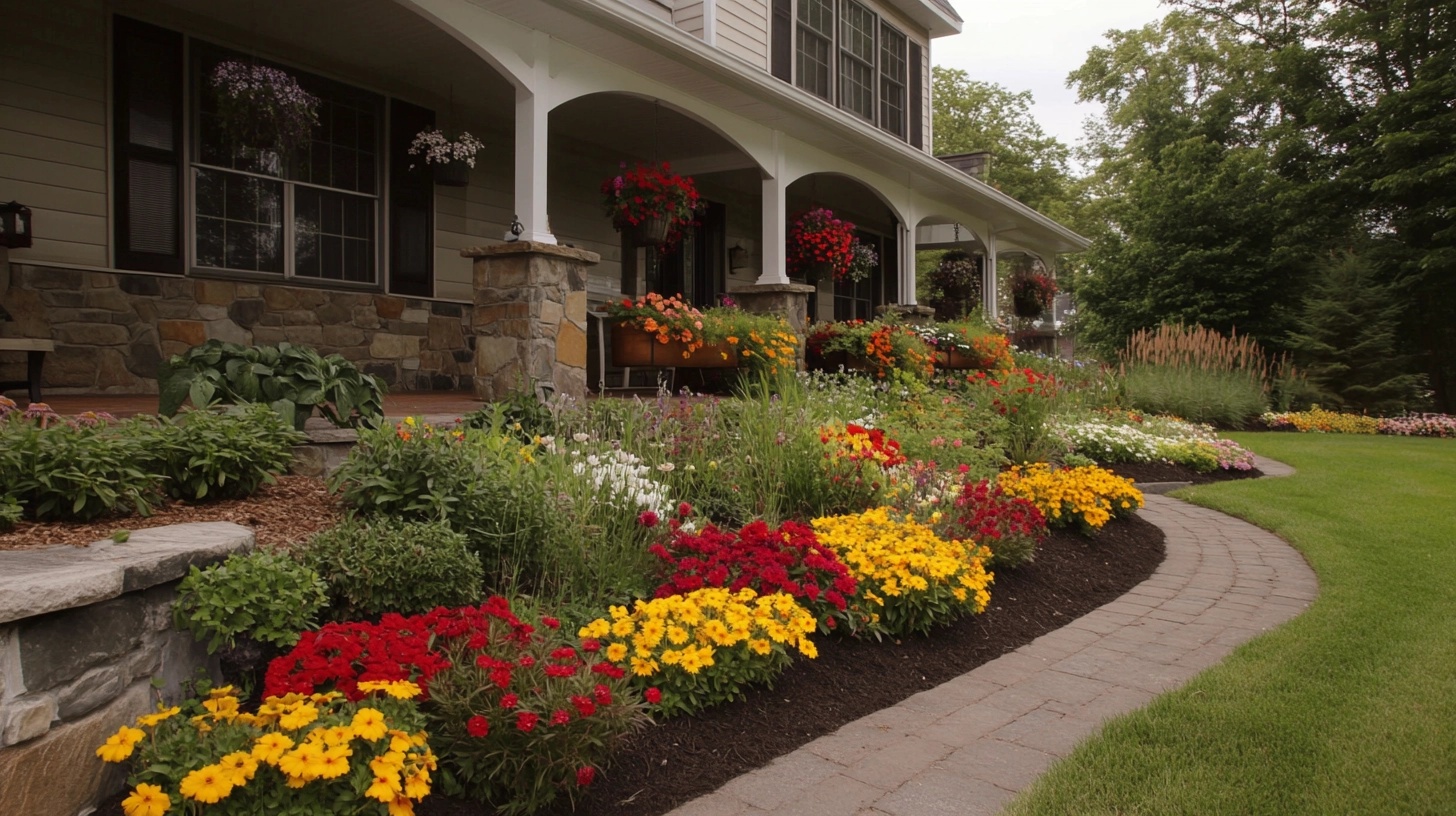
{"type": "Point", "coordinates": [398, 689]}
{"type": "Point", "coordinates": [335, 762]}
{"type": "Point", "coordinates": [151, 720]}
{"type": "Point", "coordinates": [385, 787]}
{"type": "Point", "coordinates": [146, 800]}
{"type": "Point", "coordinates": [299, 717]}
{"type": "Point", "coordinates": [417, 786]}
{"type": "Point", "coordinates": [368, 724]}
{"type": "Point", "coordinates": [303, 762]}
{"type": "Point", "coordinates": [120, 745]}
{"type": "Point", "coordinates": [208, 784]}
{"type": "Point", "coordinates": [401, 806]}
{"type": "Point", "coordinates": [617, 652]}
{"type": "Point", "coordinates": [269, 747]}
{"type": "Point", "coordinates": [643, 668]}
{"type": "Point", "coordinates": [240, 765]}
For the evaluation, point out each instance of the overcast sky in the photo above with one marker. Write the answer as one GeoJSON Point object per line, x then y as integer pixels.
{"type": "Point", "coordinates": [1031, 45]}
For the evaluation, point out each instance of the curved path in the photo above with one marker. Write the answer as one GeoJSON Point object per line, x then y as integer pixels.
{"type": "Point", "coordinates": [967, 746]}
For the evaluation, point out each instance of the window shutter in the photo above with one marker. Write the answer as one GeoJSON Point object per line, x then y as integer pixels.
{"type": "Point", "coordinates": [917, 98]}
{"type": "Point", "coordinates": [781, 40]}
{"type": "Point", "coordinates": [411, 205]}
{"type": "Point", "coordinates": [147, 145]}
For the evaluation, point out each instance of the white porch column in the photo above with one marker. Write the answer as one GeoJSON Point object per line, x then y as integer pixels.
{"type": "Point", "coordinates": [775, 226]}
{"type": "Point", "coordinates": [533, 107]}
{"type": "Point", "coordinates": [992, 305]}
{"type": "Point", "coordinates": [907, 265]}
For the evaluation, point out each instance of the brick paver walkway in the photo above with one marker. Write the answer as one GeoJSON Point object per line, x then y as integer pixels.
{"type": "Point", "coordinates": [967, 746]}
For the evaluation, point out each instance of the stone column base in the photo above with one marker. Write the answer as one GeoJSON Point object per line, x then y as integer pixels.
{"type": "Point", "coordinates": [530, 318]}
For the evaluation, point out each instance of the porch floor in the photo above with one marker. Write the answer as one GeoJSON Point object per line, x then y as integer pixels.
{"type": "Point", "coordinates": [405, 403]}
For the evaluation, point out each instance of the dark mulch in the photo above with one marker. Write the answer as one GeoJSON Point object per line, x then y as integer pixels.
{"type": "Point", "coordinates": [666, 765]}
{"type": "Point", "coordinates": [1165, 472]}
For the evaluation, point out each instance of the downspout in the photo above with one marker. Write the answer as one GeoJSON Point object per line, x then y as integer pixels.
{"type": "Point", "coordinates": [710, 22]}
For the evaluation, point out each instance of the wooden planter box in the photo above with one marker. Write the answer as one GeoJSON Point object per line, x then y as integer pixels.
{"type": "Point", "coordinates": [632, 347]}
{"type": "Point", "coordinates": [954, 359]}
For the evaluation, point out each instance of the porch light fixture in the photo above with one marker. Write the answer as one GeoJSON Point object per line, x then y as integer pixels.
{"type": "Point", "coordinates": [737, 257]}
{"type": "Point", "coordinates": [14, 226]}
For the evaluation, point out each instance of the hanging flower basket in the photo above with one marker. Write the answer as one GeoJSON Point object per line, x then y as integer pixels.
{"type": "Point", "coordinates": [650, 201]}
{"type": "Point", "coordinates": [454, 173]}
{"type": "Point", "coordinates": [651, 231]}
{"type": "Point", "coordinates": [263, 108]}
{"type": "Point", "coordinates": [1032, 293]}
{"type": "Point", "coordinates": [820, 242]}
{"type": "Point", "coordinates": [450, 160]}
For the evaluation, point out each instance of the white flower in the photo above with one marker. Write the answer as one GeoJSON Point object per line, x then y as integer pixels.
{"type": "Point", "coordinates": [667, 467]}
{"type": "Point", "coordinates": [581, 437]}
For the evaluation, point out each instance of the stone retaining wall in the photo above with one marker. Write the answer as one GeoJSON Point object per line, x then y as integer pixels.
{"type": "Point", "coordinates": [83, 632]}
{"type": "Point", "coordinates": [112, 330]}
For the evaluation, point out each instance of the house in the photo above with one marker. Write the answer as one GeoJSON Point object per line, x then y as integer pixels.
{"type": "Point", "coordinates": [151, 232]}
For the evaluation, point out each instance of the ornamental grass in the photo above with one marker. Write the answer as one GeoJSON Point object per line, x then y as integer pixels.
{"type": "Point", "coordinates": [319, 753]}
{"type": "Point", "coordinates": [706, 647]}
{"type": "Point", "coordinates": [910, 579]}
{"type": "Point", "coordinates": [1085, 497]}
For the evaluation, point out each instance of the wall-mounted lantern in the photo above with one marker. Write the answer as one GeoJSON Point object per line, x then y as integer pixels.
{"type": "Point", "coordinates": [14, 226]}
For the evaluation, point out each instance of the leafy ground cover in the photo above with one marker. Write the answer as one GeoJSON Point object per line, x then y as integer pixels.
{"type": "Point", "coordinates": [1348, 708]}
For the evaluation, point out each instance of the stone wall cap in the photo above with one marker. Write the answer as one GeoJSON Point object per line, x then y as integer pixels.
{"type": "Point", "coordinates": [34, 582]}
{"type": "Point", "coordinates": [531, 248]}
{"type": "Point", "coordinates": [773, 288]}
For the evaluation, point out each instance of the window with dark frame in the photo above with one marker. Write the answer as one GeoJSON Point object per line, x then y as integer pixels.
{"type": "Point", "coordinates": [315, 215]}
{"type": "Point", "coordinates": [843, 52]}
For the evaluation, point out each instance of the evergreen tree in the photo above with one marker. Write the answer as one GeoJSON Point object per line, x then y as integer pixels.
{"type": "Point", "coordinates": [1347, 339]}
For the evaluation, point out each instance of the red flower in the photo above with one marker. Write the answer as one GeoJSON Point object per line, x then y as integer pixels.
{"type": "Point", "coordinates": [584, 706]}
{"type": "Point", "coordinates": [560, 717]}
{"type": "Point", "coordinates": [653, 695]}
{"type": "Point", "coordinates": [591, 645]}
{"type": "Point", "coordinates": [585, 775]}
{"type": "Point", "coordinates": [526, 721]}
{"type": "Point", "coordinates": [602, 695]}
{"type": "Point", "coordinates": [510, 701]}
{"type": "Point", "coordinates": [647, 518]}
{"type": "Point", "coordinates": [551, 623]}
{"type": "Point", "coordinates": [477, 726]}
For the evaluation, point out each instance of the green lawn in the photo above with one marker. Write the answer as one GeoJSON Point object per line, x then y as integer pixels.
{"type": "Point", "coordinates": [1348, 709]}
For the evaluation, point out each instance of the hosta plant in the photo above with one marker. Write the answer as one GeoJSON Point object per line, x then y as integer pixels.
{"type": "Point", "coordinates": [295, 755]}
{"type": "Point", "coordinates": [293, 380]}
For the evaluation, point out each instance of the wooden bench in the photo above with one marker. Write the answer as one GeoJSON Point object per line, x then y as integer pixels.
{"type": "Point", "coordinates": [35, 352]}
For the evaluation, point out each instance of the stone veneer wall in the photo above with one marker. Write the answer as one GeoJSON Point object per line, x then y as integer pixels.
{"type": "Point", "coordinates": [112, 330]}
{"type": "Point", "coordinates": [83, 630]}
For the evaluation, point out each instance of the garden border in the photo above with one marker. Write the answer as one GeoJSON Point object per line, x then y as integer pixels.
{"type": "Point", "coordinates": [968, 746]}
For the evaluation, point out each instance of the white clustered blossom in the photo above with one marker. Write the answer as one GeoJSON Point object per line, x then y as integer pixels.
{"type": "Point", "coordinates": [625, 481]}
{"type": "Point", "coordinates": [436, 148]}
{"type": "Point", "coordinates": [1152, 441]}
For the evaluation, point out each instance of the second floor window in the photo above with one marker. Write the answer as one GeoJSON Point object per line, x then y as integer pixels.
{"type": "Point", "coordinates": [846, 54]}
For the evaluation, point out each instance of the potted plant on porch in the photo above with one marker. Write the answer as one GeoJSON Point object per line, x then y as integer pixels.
{"type": "Point", "coordinates": [451, 159]}
{"type": "Point", "coordinates": [263, 108]}
{"type": "Point", "coordinates": [821, 245]}
{"type": "Point", "coordinates": [650, 202]}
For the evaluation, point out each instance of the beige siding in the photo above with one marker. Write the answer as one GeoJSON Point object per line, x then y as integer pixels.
{"type": "Point", "coordinates": [53, 126]}
{"type": "Point", "coordinates": [689, 17]}
{"type": "Point", "coordinates": [743, 30]}
{"type": "Point", "coordinates": [925, 113]}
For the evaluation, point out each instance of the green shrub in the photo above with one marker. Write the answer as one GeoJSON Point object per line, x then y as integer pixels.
{"type": "Point", "coordinates": [67, 470]}
{"type": "Point", "coordinates": [10, 512]}
{"type": "Point", "coordinates": [1220, 398]}
{"type": "Point", "coordinates": [521, 414]}
{"type": "Point", "coordinates": [214, 455]}
{"type": "Point", "coordinates": [388, 565]}
{"type": "Point", "coordinates": [293, 380]}
{"type": "Point", "coordinates": [265, 596]}
{"type": "Point", "coordinates": [482, 484]}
